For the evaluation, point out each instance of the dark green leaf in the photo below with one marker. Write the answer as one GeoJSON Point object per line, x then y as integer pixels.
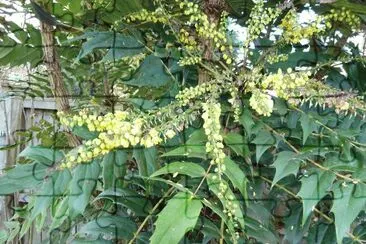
{"type": "Point", "coordinates": [109, 228]}
{"type": "Point", "coordinates": [128, 198]}
{"type": "Point", "coordinates": [236, 176]}
{"type": "Point", "coordinates": [213, 183]}
{"type": "Point", "coordinates": [286, 164]}
{"type": "Point", "coordinates": [237, 143]}
{"type": "Point", "coordinates": [147, 160]}
{"type": "Point", "coordinates": [313, 188]}
{"type": "Point", "coordinates": [349, 201]}
{"type": "Point", "coordinates": [151, 73]}
{"type": "Point", "coordinates": [263, 141]}
{"type": "Point", "coordinates": [43, 155]}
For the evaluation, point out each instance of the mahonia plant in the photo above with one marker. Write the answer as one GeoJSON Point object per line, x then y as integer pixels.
{"type": "Point", "coordinates": [191, 27]}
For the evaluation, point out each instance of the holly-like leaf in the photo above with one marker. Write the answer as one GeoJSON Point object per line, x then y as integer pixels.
{"type": "Point", "coordinates": [263, 141]}
{"type": "Point", "coordinates": [177, 218]}
{"type": "Point", "coordinates": [237, 143]}
{"type": "Point", "coordinates": [313, 188]}
{"type": "Point", "coordinates": [236, 176]}
{"type": "Point", "coordinates": [146, 159]}
{"type": "Point", "coordinates": [130, 199]}
{"type": "Point", "coordinates": [27, 176]}
{"type": "Point", "coordinates": [151, 73]}
{"type": "Point", "coordinates": [84, 180]}
{"type": "Point", "coordinates": [349, 201]}
{"type": "Point", "coordinates": [185, 168]}
{"type": "Point", "coordinates": [307, 125]}
{"type": "Point", "coordinates": [286, 164]}
{"type": "Point", "coordinates": [110, 227]}
{"type": "Point", "coordinates": [119, 44]}
{"type": "Point", "coordinates": [213, 183]}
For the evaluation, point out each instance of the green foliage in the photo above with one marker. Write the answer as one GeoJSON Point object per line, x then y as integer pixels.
{"type": "Point", "coordinates": [281, 151]}
{"type": "Point", "coordinates": [178, 217]}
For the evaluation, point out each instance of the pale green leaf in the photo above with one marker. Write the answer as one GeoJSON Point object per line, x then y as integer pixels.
{"type": "Point", "coordinates": [177, 218]}
{"type": "Point", "coordinates": [185, 168]}
{"type": "Point", "coordinates": [84, 180]}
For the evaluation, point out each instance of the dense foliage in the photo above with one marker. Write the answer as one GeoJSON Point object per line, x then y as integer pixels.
{"type": "Point", "coordinates": [191, 131]}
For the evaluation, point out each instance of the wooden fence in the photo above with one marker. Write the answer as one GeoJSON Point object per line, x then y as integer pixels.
{"type": "Point", "coordinates": [17, 114]}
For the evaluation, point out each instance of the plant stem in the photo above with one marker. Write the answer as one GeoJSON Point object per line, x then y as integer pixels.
{"type": "Point", "coordinates": [150, 214]}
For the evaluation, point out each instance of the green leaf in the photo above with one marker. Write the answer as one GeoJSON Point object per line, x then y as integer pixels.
{"type": "Point", "coordinates": [83, 132]}
{"type": "Point", "coordinates": [114, 169]}
{"type": "Point", "coordinates": [260, 232]}
{"type": "Point", "coordinates": [177, 218]}
{"type": "Point", "coordinates": [186, 168]}
{"type": "Point", "coordinates": [237, 143]}
{"type": "Point", "coordinates": [84, 180]}
{"type": "Point", "coordinates": [236, 176]}
{"type": "Point", "coordinates": [313, 188]}
{"type": "Point", "coordinates": [189, 151]}
{"type": "Point", "coordinates": [286, 164]}
{"type": "Point", "coordinates": [129, 199]}
{"type": "Point", "coordinates": [349, 201]}
{"type": "Point", "coordinates": [213, 183]}
{"type": "Point", "coordinates": [42, 154]}
{"type": "Point", "coordinates": [119, 44]}
{"type": "Point", "coordinates": [194, 147]}
{"type": "Point", "coordinates": [147, 160]}
{"type": "Point", "coordinates": [294, 231]}
{"type": "Point", "coordinates": [247, 121]}
{"type": "Point", "coordinates": [22, 176]}
{"type": "Point", "coordinates": [109, 227]}
{"type": "Point", "coordinates": [151, 73]}
{"type": "Point", "coordinates": [308, 126]}
{"type": "Point", "coordinates": [263, 141]}
{"type": "Point", "coordinates": [52, 187]}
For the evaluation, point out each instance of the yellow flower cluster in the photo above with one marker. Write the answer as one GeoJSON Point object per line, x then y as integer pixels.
{"type": "Point", "coordinates": [271, 59]}
{"type": "Point", "coordinates": [343, 16]}
{"type": "Point", "coordinates": [189, 61]}
{"type": "Point", "coordinates": [187, 40]}
{"type": "Point", "coordinates": [157, 16]}
{"type": "Point", "coordinates": [191, 93]}
{"type": "Point", "coordinates": [206, 29]}
{"type": "Point", "coordinates": [235, 102]}
{"type": "Point", "coordinates": [214, 145]}
{"type": "Point", "coordinates": [262, 103]}
{"type": "Point", "coordinates": [284, 84]}
{"type": "Point", "coordinates": [114, 131]}
{"type": "Point", "coordinates": [317, 93]}
{"type": "Point", "coordinates": [260, 17]}
{"type": "Point", "coordinates": [293, 32]}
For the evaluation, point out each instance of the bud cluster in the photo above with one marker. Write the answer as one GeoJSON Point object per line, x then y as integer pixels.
{"type": "Point", "coordinates": [283, 84]}
{"type": "Point", "coordinates": [157, 16]}
{"type": "Point", "coordinates": [343, 16]}
{"type": "Point", "coordinates": [260, 17]}
{"type": "Point", "coordinates": [294, 32]}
